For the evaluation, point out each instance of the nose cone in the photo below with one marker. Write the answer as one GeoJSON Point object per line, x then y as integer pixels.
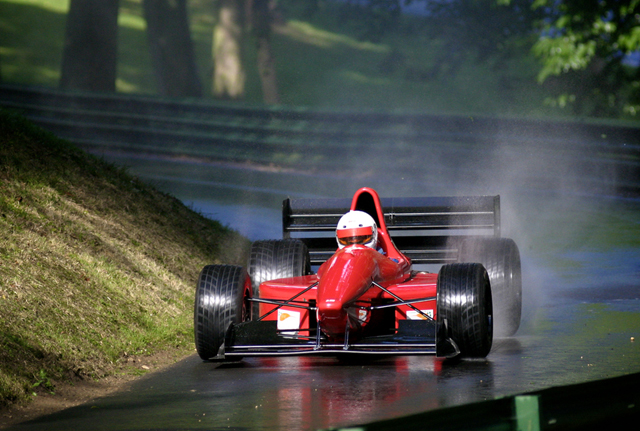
{"type": "Point", "coordinates": [330, 307]}
{"type": "Point", "coordinates": [346, 276]}
{"type": "Point", "coordinates": [332, 317]}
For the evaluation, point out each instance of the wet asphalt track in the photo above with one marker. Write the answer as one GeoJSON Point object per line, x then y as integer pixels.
{"type": "Point", "coordinates": [578, 323]}
{"type": "Point", "coordinates": [311, 393]}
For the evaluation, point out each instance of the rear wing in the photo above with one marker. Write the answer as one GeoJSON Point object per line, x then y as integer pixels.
{"type": "Point", "coordinates": [425, 229]}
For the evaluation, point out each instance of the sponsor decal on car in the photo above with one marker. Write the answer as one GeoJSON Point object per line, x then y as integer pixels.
{"type": "Point", "coordinates": [414, 315]}
{"type": "Point", "coordinates": [288, 321]}
{"type": "Point", "coordinates": [362, 315]}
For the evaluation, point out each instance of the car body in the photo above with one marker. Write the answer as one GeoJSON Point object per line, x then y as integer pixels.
{"type": "Point", "coordinates": [362, 300]}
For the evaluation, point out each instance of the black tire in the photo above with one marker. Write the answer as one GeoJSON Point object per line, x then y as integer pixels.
{"type": "Point", "coordinates": [220, 301]}
{"type": "Point", "coordinates": [464, 301]}
{"type": "Point", "coordinates": [501, 258]}
{"type": "Point", "coordinates": [273, 259]}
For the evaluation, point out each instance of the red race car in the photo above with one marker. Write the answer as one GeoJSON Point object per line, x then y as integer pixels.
{"type": "Point", "coordinates": [367, 295]}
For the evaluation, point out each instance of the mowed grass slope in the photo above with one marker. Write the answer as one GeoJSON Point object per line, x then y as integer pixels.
{"type": "Point", "coordinates": [95, 266]}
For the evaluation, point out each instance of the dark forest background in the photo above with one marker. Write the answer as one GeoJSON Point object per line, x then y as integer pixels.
{"type": "Point", "coordinates": [502, 57]}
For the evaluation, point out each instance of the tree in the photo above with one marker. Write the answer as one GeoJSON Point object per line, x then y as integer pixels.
{"type": "Point", "coordinates": [261, 20]}
{"type": "Point", "coordinates": [90, 46]}
{"type": "Point", "coordinates": [583, 46]}
{"type": "Point", "coordinates": [229, 74]}
{"type": "Point", "coordinates": [171, 48]}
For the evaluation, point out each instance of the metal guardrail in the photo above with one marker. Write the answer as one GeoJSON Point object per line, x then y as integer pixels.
{"type": "Point", "coordinates": [316, 139]}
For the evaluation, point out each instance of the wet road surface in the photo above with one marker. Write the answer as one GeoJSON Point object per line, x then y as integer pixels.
{"type": "Point", "coordinates": [581, 273]}
{"type": "Point", "coordinates": [568, 343]}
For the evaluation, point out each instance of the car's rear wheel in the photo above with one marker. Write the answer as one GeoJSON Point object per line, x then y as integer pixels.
{"type": "Point", "coordinates": [501, 258]}
{"type": "Point", "coordinates": [221, 299]}
{"type": "Point", "coordinates": [464, 307]}
{"type": "Point", "coordinates": [273, 259]}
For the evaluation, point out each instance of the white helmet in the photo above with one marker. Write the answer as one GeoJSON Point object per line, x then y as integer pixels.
{"type": "Point", "coordinates": [357, 227]}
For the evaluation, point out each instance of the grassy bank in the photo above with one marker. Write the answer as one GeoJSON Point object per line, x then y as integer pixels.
{"type": "Point", "coordinates": [95, 266]}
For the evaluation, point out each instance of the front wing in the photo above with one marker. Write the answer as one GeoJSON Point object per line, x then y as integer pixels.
{"type": "Point", "coordinates": [262, 338]}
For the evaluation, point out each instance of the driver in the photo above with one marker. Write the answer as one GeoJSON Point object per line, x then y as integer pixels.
{"type": "Point", "coordinates": [357, 227]}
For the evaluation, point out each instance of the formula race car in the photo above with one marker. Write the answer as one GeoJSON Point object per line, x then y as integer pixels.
{"type": "Point", "coordinates": [367, 295]}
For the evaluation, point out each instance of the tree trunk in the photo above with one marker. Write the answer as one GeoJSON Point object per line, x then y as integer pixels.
{"type": "Point", "coordinates": [229, 74]}
{"type": "Point", "coordinates": [261, 24]}
{"type": "Point", "coordinates": [90, 46]}
{"type": "Point", "coordinates": [171, 48]}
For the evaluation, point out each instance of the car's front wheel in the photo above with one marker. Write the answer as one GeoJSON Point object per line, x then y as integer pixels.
{"type": "Point", "coordinates": [464, 307]}
{"type": "Point", "coordinates": [221, 299]}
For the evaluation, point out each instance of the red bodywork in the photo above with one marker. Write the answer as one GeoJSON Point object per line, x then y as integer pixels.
{"type": "Point", "coordinates": [348, 284]}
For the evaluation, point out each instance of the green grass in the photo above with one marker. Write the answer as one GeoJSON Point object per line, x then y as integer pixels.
{"type": "Point", "coordinates": [95, 266]}
{"type": "Point", "coordinates": [320, 63]}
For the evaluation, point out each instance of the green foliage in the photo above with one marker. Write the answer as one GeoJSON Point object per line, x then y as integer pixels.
{"type": "Point", "coordinates": [583, 46]}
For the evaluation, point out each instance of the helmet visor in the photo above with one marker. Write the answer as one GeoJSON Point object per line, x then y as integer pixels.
{"type": "Point", "coordinates": [359, 235]}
